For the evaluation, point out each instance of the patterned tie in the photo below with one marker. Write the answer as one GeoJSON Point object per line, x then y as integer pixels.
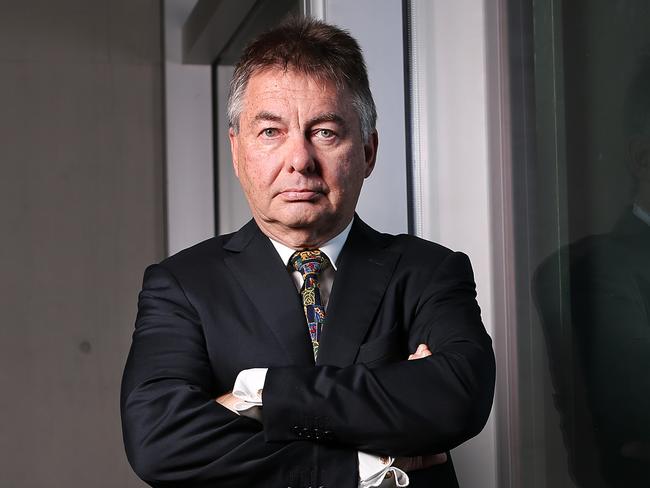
{"type": "Point", "coordinates": [310, 263]}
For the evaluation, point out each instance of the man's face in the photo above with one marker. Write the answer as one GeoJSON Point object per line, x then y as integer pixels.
{"type": "Point", "coordinates": [300, 156]}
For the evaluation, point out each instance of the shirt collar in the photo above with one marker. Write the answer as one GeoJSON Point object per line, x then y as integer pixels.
{"type": "Point", "coordinates": [331, 248]}
{"type": "Point", "coordinates": [640, 213]}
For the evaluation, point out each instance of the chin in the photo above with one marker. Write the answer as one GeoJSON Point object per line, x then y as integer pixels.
{"type": "Point", "coordinates": [299, 218]}
{"type": "Point", "coordinates": [303, 222]}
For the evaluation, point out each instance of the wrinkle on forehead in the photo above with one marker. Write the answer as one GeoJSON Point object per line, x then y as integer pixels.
{"type": "Point", "coordinates": [273, 95]}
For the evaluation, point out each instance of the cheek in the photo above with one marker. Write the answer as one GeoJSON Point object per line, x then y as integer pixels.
{"type": "Point", "coordinates": [257, 173]}
{"type": "Point", "coordinates": [348, 175]}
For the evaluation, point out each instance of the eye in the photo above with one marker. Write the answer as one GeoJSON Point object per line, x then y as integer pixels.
{"type": "Point", "coordinates": [270, 132]}
{"type": "Point", "coordinates": [325, 133]}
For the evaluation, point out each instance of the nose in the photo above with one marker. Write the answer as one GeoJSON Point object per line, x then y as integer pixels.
{"type": "Point", "coordinates": [299, 156]}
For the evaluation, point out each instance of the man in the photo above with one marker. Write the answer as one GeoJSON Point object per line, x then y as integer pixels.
{"type": "Point", "coordinates": [321, 378]}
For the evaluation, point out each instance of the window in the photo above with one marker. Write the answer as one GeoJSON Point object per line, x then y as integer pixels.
{"type": "Point", "coordinates": [581, 186]}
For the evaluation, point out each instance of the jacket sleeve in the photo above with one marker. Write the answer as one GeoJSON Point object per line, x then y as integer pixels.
{"type": "Point", "coordinates": [175, 434]}
{"type": "Point", "coordinates": [407, 407]}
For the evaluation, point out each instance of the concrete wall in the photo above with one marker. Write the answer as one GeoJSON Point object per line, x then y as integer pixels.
{"type": "Point", "coordinates": [81, 214]}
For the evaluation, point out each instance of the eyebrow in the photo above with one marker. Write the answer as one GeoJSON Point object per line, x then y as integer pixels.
{"type": "Point", "coordinates": [327, 117]}
{"type": "Point", "coordinates": [267, 116]}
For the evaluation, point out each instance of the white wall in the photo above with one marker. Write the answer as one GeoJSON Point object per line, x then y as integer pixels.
{"type": "Point", "coordinates": [454, 189]}
{"type": "Point", "coordinates": [188, 117]}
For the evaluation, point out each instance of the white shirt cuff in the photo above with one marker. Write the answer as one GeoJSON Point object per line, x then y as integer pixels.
{"type": "Point", "coordinates": [375, 471]}
{"type": "Point", "coordinates": [248, 388]}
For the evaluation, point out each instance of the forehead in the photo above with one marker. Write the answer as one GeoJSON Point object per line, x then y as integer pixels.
{"type": "Point", "coordinates": [279, 89]}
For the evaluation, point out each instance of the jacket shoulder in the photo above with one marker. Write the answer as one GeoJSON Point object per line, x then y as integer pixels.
{"type": "Point", "coordinates": [209, 249]}
{"type": "Point", "coordinates": [414, 244]}
{"type": "Point", "coordinates": [417, 256]}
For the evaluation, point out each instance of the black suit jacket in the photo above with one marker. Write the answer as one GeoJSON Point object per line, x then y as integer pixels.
{"type": "Point", "coordinates": [229, 304]}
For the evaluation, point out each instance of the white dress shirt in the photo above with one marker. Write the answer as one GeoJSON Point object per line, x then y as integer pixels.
{"type": "Point", "coordinates": [374, 471]}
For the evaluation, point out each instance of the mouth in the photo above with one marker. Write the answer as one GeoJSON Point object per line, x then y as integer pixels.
{"type": "Point", "coordinates": [300, 195]}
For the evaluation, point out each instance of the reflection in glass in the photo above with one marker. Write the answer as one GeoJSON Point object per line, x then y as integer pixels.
{"type": "Point", "coordinates": [585, 240]}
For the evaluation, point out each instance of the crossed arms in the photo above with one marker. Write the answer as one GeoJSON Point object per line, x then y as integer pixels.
{"type": "Point", "coordinates": [176, 434]}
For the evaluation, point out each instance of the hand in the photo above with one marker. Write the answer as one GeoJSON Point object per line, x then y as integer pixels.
{"type": "Point", "coordinates": [229, 401]}
{"type": "Point", "coordinates": [414, 463]}
{"type": "Point", "coordinates": [421, 352]}
{"type": "Point", "coordinates": [420, 462]}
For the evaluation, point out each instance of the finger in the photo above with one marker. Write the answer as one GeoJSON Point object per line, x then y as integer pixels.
{"type": "Point", "coordinates": [440, 458]}
{"type": "Point", "coordinates": [222, 399]}
{"type": "Point", "coordinates": [424, 462]}
{"type": "Point", "coordinates": [415, 463]}
{"type": "Point", "coordinates": [227, 400]}
{"type": "Point", "coordinates": [421, 352]}
{"type": "Point", "coordinates": [404, 463]}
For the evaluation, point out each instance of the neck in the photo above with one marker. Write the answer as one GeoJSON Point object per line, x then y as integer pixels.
{"type": "Point", "coordinates": [301, 238]}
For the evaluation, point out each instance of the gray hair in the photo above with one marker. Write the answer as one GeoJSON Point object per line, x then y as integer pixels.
{"type": "Point", "coordinates": [315, 49]}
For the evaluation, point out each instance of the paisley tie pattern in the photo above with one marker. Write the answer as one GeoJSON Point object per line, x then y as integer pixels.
{"type": "Point", "coordinates": [310, 263]}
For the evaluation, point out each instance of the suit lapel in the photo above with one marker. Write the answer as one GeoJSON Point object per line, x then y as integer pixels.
{"type": "Point", "coordinates": [364, 270]}
{"type": "Point", "coordinates": [259, 270]}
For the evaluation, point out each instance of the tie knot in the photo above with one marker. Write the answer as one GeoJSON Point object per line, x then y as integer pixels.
{"type": "Point", "coordinates": [309, 262]}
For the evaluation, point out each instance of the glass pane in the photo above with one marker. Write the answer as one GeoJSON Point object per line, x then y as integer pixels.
{"type": "Point", "coordinates": [583, 243]}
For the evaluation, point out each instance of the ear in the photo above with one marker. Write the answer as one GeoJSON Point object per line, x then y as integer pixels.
{"type": "Point", "coordinates": [639, 153]}
{"type": "Point", "coordinates": [234, 150]}
{"type": "Point", "coordinates": [370, 152]}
